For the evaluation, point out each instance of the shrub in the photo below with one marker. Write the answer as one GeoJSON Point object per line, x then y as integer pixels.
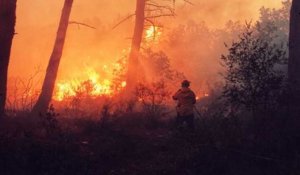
{"type": "Point", "coordinates": [253, 79]}
{"type": "Point", "coordinates": [153, 98]}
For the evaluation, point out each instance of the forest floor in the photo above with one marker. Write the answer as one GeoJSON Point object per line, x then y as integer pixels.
{"type": "Point", "coordinates": [130, 145]}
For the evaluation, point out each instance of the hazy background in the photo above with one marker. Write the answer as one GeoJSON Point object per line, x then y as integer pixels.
{"type": "Point", "coordinates": [37, 22]}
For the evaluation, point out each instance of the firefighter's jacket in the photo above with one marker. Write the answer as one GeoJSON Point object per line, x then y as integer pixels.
{"type": "Point", "coordinates": [186, 99]}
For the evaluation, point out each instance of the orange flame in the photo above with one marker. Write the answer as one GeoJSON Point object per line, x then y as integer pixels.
{"type": "Point", "coordinates": [93, 85]}
{"type": "Point", "coordinates": [96, 84]}
{"type": "Point", "coordinates": [153, 34]}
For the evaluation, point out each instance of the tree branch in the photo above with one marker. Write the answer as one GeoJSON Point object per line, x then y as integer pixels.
{"type": "Point", "coordinates": [123, 20]}
{"type": "Point", "coordinates": [82, 24]}
{"type": "Point", "coordinates": [189, 2]}
{"type": "Point", "coordinates": [162, 15]}
{"type": "Point", "coordinates": [161, 7]}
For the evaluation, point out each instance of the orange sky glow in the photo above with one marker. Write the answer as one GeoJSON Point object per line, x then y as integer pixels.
{"type": "Point", "coordinates": [37, 22]}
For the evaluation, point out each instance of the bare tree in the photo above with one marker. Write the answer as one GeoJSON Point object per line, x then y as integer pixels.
{"type": "Point", "coordinates": [22, 93]}
{"type": "Point", "coordinates": [146, 12]}
{"type": "Point", "coordinates": [7, 31]}
{"type": "Point", "coordinates": [294, 56]}
{"type": "Point", "coordinates": [52, 69]}
{"type": "Point", "coordinates": [133, 61]}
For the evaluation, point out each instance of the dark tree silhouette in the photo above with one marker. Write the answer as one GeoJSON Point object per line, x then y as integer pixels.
{"type": "Point", "coordinates": [251, 79]}
{"type": "Point", "coordinates": [294, 56]}
{"type": "Point", "coordinates": [133, 62]}
{"type": "Point", "coordinates": [52, 69]}
{"type": "Point", "coordinates": [7, 31]}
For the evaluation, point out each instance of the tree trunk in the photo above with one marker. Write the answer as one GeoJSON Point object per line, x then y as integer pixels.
{"type": "Point", "coordinates": [294, 57]}
{"type": "Point", "coordinates": [7, 31]}
{"type": "Point", "coordinates": [133, 60]}
{"type": "Point", "coordinates": [52, 69]}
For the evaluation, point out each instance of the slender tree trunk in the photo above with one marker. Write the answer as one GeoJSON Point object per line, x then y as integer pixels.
{"type": "Point", "coordinates": [7, 31]}
{"type": "Point", "coordinates": [294, 58]}
{"type": "Point", "coordinates": [133, 60]}
{"type": "Point", "coordinates": [52, 69]}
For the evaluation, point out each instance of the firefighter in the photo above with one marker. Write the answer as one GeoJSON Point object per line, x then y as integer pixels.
{"type": "Point", "coordinates": [186, 99]}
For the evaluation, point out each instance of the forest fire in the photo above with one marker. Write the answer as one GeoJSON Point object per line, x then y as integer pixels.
{"type": "Point", "coordinates": [153, 33]}
{"type": "Point", "coordinates": [150, 87]}
{"type": "Point", "coordinates": [92, 85]}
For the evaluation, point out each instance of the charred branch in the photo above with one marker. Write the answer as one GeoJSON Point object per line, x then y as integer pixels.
{"type": "Point", "coordinates": [158, 16]}
{"type": "Point", "coordinates": [81, 24]}
{"type": "Point", "coordinates": [189, 2]}
{"type": "Point", "coordinates": [122, 21]}
{"type": "Point", "coordinates": [150, 21]}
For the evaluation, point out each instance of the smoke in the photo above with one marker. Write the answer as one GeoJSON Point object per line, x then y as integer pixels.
{"type": "Point", "coordinates": [37, 23]}
{"type": "Point", "coordinates": [217, 12]}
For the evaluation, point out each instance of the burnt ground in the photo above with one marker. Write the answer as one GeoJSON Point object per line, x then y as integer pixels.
{"type": "Point", "coordinates": [133, 145]}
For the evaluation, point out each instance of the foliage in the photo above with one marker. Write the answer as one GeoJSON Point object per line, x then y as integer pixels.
{"type": "Point", "coordinates": [49, 121]}
{"type": "Point", "coordinates": [251, 79]}
{"type": "Point", "coordinates": [159, 67]}
{"type": "Point", "coordinates": [106, 111]}
{"type": "Point", "coordinates": [153, 98]}
{"type": "Point", "coordinates": [154, 92]}
{"type": "Point", "coordinates": [218, 146]}
{"type": "Point", "coordinates": [195, 48]}
{"type": "Point", "coordinates": [274, 23]}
